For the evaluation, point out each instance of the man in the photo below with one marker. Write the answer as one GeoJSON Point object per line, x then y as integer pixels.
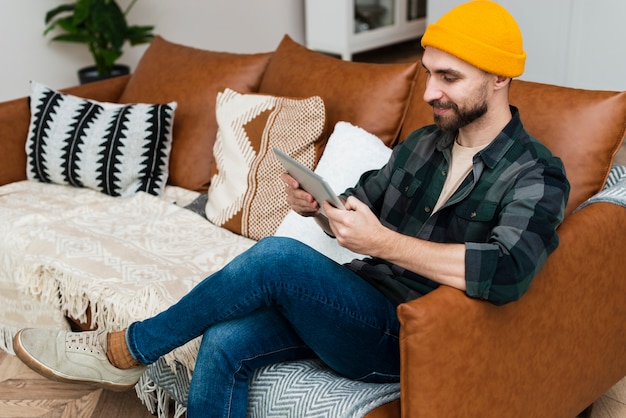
{"type": "Point", "coordinates": [471, 202]}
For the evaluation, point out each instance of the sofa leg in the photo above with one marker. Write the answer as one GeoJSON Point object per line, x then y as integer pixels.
{"type": "Point", "coordinates": [586, 413]}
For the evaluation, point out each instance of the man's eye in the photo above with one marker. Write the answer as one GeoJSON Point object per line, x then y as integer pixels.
{"type": "Point", "coordinates": [449, 79]}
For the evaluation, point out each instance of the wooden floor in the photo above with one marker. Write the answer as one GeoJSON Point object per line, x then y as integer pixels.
{"type": "Point", "coordinates": [23, 393]}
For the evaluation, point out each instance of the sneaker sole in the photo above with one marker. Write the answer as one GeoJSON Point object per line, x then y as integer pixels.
{"type": "Point", "coordinates": [51, 374]}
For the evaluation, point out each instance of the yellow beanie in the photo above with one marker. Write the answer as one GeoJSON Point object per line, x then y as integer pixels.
{"type": "Point", "coordinates": [482, 33]}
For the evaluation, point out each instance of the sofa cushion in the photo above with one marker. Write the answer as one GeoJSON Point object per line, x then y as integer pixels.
{"type": "Point", "coordinates": [191, 77]}
{"type": "Point", "coordinates": [372, 96]}
{"type": "Point", "coordinates": [116, 149]}
{"type": "Point", "coordinates": [246, 194]}
{"type": "Point", "coordinates": [309, 385]}
{"type": "Point", "coordinates": [350, 152]}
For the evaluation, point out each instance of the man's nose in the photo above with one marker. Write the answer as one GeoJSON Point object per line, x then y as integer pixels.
{"type": "Point", "coordinates": [432, 91]}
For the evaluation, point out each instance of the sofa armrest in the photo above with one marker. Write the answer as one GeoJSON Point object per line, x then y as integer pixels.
{"type": "Point", "coordinates": [550, 354]}
{"type": "Point", "coordinates": [15, 118]}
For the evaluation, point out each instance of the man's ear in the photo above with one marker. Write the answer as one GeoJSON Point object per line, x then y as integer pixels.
{"type": "Point", "coordinates": [501, 82]}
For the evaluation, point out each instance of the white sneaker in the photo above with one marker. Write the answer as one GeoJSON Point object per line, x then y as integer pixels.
{"type": "Point", "coordinates": [73, 357]}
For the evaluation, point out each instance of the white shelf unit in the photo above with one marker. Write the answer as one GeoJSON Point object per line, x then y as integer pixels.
{"type": "Point", "coordinates": [331, 26]}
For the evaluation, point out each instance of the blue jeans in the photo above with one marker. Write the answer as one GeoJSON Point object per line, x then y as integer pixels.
{"type": "Point", "coordinates": [278, 301]}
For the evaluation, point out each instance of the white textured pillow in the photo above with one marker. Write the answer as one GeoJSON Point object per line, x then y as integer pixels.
{"type": "Point", "coordinates": [350, 152]}
{"type": "Point", "coordinates": [113, 148]}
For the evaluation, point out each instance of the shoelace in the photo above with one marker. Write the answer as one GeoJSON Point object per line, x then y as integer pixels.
{"type": "Point", "coordinates": [84, 341]}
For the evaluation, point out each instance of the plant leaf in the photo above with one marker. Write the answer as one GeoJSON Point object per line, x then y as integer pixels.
{"type": "Point", "coordinates": [58, 10]}
{"type": "Point", "coordinates": [139, 34]}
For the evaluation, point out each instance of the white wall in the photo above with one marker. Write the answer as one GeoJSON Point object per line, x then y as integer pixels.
{"type": "Point", "coordinates": [576, 43]}
{"type": "Point", "coordinates": [225, 25]}
{"type": "Point", "coordinates": [579, 43]}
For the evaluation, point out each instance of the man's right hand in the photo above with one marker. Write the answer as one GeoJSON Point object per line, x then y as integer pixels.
{"type": "Point", "coordinates": [302, 202]}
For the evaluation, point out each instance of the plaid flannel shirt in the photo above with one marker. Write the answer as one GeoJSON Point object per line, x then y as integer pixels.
{"type": "Point", "coordinates": [506, 211]}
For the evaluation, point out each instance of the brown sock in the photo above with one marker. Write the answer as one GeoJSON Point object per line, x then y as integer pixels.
{"type": "Point", "coordinates": [117, 351]}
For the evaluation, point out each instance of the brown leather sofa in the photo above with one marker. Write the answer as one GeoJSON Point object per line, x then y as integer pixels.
{"type": "Point", "coordinates": [552, 353]}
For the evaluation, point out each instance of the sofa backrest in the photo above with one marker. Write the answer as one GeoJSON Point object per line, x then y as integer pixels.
{"type": "Point", "coordinates": [585, 128]}
{"type": "Point", "coordinates": [371, 96]}
{"type": "Point", "coordinates": [192, 77]}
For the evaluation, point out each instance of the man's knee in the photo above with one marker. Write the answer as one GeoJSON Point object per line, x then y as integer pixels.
{"type": "Point", "coordinates": [278, 248]}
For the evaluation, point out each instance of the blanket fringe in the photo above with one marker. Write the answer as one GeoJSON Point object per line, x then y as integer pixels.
{"type": "Point", "coordinates": [156, 400]}
{"type": "Point", "coordinates": [108, 310]}
{"type": "Point", "coordinates": [54, 287]}
{"type": "Point", "coordinates": [185, 355]}
{"type": "Point", "coordinates": [6, 339]}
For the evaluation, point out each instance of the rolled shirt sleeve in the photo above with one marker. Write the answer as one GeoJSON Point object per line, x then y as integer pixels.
{"type": "Point", "coordinates": [501, 269]}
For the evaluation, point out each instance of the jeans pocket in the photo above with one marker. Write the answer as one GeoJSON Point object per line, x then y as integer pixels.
{"type": "Point", "coordinates": [376, 377]}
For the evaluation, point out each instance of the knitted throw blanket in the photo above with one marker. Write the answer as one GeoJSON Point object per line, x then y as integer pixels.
{"type": "Point", "coordinates": [614, 191]}
{"type": "Point", "coordinates": [123, 258]}
{"type": "Point", "coordinates": [66, 249]}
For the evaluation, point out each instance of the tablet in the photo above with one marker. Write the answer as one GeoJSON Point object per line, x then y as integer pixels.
{"type": "Point", "coordinates": [309, 181]}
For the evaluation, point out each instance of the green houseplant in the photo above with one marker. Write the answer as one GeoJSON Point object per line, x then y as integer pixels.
{"type": "Point", "coordinates": [102, 26]}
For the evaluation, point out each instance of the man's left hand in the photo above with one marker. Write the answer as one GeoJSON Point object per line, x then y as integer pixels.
{"type": "Point", "coordinates": [356, 228]}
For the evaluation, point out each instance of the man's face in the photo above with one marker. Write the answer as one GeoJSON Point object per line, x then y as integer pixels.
{"type": "Point", "coordinates": [457, 91]}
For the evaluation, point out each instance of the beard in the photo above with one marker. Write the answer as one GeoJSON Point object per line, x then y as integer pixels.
{"type": "Point", "coordinates": [459, 117]}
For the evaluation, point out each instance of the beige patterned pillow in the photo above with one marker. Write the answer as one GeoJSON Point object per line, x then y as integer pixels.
{"type": "Point", "coordinates": [246, 194]}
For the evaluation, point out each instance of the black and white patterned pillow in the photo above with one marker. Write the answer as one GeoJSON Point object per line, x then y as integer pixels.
{"type": "Point", "coordinates": [113, 148]}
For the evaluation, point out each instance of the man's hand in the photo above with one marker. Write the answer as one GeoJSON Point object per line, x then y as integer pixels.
{"type": "Point", "coordinates": [302, 202]}
{"type": "Point", "coordinates": [357, 228]}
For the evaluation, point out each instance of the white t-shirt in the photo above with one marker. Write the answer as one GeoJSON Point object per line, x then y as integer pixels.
{"type": "Point", "coordinates": [461, 165]}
